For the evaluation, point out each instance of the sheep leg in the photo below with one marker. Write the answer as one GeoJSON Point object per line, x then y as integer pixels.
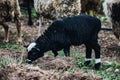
{"type": "Point", "coordinates": [39, 27]}
{"type": "Point", "coordinates": [29, 13]}
{"type": "Point", "coordinates": [55, 53]}
{"type": "Point", "coordinates": [88, 54]}
{"type": "Point", "coordinates": [18, 26]}
{"type": "Point", "coordinates": [96, 48]}
{"type": "Point", "coordinates": [17, 14]}
{"type": "Point", "coordinates": [6, 28]}
{"type": "Point", "coordinates": [67, 51]}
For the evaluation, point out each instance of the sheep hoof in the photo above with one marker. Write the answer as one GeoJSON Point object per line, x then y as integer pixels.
{"type": "Point", "coordinates": [19, 41]}
{"type": "Point", "coordinates": [6, 40]}
{"type": "Point", "coordinates": [86, 63]}
{"type": "Point", "coordinates": [97, 66]}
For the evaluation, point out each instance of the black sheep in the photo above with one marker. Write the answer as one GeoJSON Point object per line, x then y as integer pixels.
{"type": "Point", "coordinates": [63, 33]}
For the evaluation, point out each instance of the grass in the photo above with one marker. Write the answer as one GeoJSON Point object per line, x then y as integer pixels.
{"type": "Point", "coordinates": [108, 75]}
{"type": "Point", "coordinates": [104, 72]}
{"type": "Point", "coordinates": [24, 12]}
{"type": "Point", "coordinates": [7, 60]}
{"type": "Point", "coordinates": [78, 58]}
{"type": "Point", "coordinates": [10, 46]}
{"type": "Point", "coordinates": [107, 71]}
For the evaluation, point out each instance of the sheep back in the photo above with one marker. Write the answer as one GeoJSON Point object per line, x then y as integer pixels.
{"type": "Point", "coordinates": [54, 9]}
{"type": "Point", "coordinates": [73, 30]}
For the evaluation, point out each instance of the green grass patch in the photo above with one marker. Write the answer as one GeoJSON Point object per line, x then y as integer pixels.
{"type": "Point", "coordinates": [7, 60]}
{"type": "Point", "coordinates": [34, 15]}
{"type": "Point", "coordinates": [60, 53]}
{"type": "Point", "coordinates": [25, 13]}
{"type": "Point", "coordinates": [10, 46]}
{"type": "Point", "coordinates": [108, 75]}
{"type": "Point", "coordinates": [103, 72]}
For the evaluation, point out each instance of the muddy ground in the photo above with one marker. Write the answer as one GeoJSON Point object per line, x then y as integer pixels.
{"type": "Point", "coordinates": [52, 68]}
